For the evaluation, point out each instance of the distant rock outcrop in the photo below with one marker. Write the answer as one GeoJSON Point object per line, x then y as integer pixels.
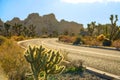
{"type": "Point", "coordinates": [14, 21]}
{"type": "Point", "coordinates": [48, 24]}
{"type": "Point", "coordinates": [71, 27]}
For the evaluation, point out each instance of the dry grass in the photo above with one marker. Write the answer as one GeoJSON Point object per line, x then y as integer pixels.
{"type": "Point", "coordinates": [12, 60]}
{"type": "Point", "coordinates": [116, 44]}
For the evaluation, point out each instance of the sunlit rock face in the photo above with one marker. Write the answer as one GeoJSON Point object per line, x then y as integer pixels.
{"type": "Point", "coordinates": [14, 21]}
{"type": "Point", "coordinates": [71, 27]}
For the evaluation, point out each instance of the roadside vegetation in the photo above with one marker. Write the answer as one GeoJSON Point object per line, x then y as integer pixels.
{"type": "Point", "coordinates": [97, 35]}
{"type": "Point", "coordinates": [31, 65]}
{"type": "Point", "coordinates": [12, 60]}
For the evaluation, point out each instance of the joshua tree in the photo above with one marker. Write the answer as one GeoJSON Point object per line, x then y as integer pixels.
{"type": "Point", "coordinates": [99, 28]}
{"type": "Point", "coordinates": [7, 29]}
{"type": "Point", "coordinates": [32, 32]}
{"type": "Point", "coordinates": [91, 28]}
{"type": "Point", "coordinates": [114, 28]}
{"type": "Point", "coordinates": [17, 29]}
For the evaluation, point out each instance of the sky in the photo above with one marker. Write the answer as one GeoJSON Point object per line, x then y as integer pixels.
{"type": "Point", "coordinates": [80, 11]}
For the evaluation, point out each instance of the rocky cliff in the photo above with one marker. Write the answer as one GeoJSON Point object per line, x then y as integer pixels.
{"type": "Point", "coordinates": [48, 24]}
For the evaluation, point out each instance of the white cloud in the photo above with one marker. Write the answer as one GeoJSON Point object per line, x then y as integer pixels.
{"type": "Point", "coordinates": [89, 1]}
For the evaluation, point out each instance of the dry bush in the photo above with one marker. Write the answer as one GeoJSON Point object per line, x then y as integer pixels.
{"type": "Point", "coordinates": [44, 36]}
{"type": "Point", "coordinates": [92, 41]}
{"type": "Point", "coordinates": [116, 44]}
{"type": "Point", "coordinates": [67, 39]}
{"type": "Point", "coordinates": [18, 38]}
{"type": "Point", "coordinates": [2, 40]}
{"type": "Point", "coordinates": [101, 37]}
{"type": "Point", "coordinates": [12, 60]}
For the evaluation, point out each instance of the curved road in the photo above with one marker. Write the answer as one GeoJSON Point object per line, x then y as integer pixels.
{"type": "Point", "coordinates": [98, 59]}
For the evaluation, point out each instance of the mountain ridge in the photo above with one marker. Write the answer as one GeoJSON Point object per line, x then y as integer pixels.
{"type": "Point", "coordinates": [47, 23]}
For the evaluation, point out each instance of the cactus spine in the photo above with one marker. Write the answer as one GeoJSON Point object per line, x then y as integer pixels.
{"type": "Point", "coordinates": [42, 60]}
{"type": "Point", "coordinates": [36, 59]}
{"type": "Point", "coordinates": [52, 63]}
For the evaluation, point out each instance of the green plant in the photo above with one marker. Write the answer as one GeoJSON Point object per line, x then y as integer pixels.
{"type": "Point", "coordinates": [107, 42]}
{"type": "Point", "coordinates": [91, 28]}
{"type": "Point", "coordinates": [75, 67]}
{"type": "Point", "coordinates": [77, 41]}
{"type": "Point", "coordinates": [6, 30]}
{"type": "Point", "coordinates": [36, 58]}
{"type": "Point", "coordinates": [45, 61]}
{"type": "Point", "coordinates": [114, 27]}
{"type": "Point", "coordinates": [17, 29]}
{"type": "Point", "coordinates": [52, 63]}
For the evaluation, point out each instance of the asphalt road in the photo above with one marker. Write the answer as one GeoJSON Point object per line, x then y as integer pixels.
{"type": "Point", "coordinates": [99, 59]}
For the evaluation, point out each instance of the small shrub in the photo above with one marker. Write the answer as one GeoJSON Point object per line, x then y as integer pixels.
{"type": "Point", "coordinates": [66, 38]}
{"type": "Point", "coordinates": [92, 41]}
{"type": "Point", "coordinates": [44, 36]}
{"type": "Point", "coordinates": [107, 42]}
{"type": "Point", "coordinates": [77, 41]}
{"type": "Point", "coordinates": [17, 38]}
{"type": "Point", "coordinates": [116, 44]}
{"type": "Point", "coordinates": [101, 37]}
{"type": "Point", "coordinates": [75, 67]}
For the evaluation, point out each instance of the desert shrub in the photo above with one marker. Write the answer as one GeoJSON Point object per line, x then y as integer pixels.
{"type": "Point", "coordinates": [75, 67]}
{"type": "Point", "coordinates": [2, 40]}
{"type": "Point", "coordinates": [116, 44]}
{"type": "Point", "coordinates": [92, 41]}
{"type": "Point", "coordinates": [77, 41]}
{"type": "Point", "coordinates": [95, 42]}
{"type": "Point", "coordinates": [107, 42]}
{"type": "Point", "coordinates": [17, 38]}
{"type": "Point", "coordinates": [66, 38]}
{"type": "Point", "coordinates": [12, 60]}
{"type": "Point", "coordinates": [44, 36]}
{"type": "Point", "coordinates": [101, 37]}
{"type": "Point", "coordinates": [87, 40]}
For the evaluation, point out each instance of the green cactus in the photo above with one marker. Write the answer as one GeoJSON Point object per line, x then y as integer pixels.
{"type": "Point", "coordinates": [42, 60]}
{"type": "Point", "coordinates": [36, 59]}
{"type": "Point", "coordinates": [52, 63]}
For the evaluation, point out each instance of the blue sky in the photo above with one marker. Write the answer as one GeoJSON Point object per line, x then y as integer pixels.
{"type": "Point", "coordinates": [81, 11]}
